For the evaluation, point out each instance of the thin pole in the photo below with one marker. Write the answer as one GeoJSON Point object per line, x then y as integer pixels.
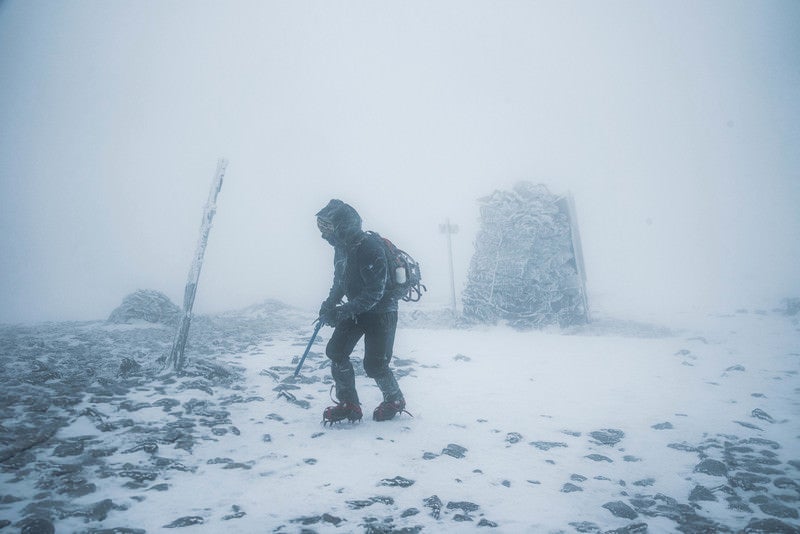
{"type": "Point", "coordinates": [176, 358]}
{"type": "Point", "coordinates": [450, 229]}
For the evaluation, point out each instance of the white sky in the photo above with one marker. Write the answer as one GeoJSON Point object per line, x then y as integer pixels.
{"type": "Point", "coordinates": [674, 124]}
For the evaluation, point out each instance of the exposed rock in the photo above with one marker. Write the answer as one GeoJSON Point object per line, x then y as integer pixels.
{"type": "Point", "coordinates": [608, 436]}
{"type": "Point", "coordinates": [185, 521]}
{"type": "Point", "coordinates": [454, 450]}
{"type": "Point", "coordinates": [397, 481]}
{"type": "Point", "coordinates": [770, 526]}
{"type": "Point", "coordinates": [547, 445]}
{"type": "Point", "coordinates": [712, 467]}
{"type": "Point", "coordinates": [620, 509]}
{"type": "Point", "coordinates": [701, 493]}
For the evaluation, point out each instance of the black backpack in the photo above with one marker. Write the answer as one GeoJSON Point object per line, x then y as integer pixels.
{"type": "Point", "coordinates": [405, 279]}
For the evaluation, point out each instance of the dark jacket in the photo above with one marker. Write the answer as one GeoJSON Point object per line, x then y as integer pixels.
{"type": "Point", "coordinates": [361, 274]}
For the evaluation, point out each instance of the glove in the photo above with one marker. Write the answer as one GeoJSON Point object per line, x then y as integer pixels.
{"type": "Point", "coordinates": [327, 313]}
{"type": "Point", "coordinates": [343, 313]}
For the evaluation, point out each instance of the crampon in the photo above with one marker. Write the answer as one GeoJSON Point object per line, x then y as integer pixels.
{"type": "Point", "coordinates": [341, 411]}
{"type": "Point", "coordinates": [387, 410]}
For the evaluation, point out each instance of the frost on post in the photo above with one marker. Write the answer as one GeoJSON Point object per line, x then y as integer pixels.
{"type": "Point", "coordinates": [527, 268]}
{"type": "Point", "coordinates": [176, 358]}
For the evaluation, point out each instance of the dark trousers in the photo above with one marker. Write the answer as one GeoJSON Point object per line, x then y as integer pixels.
{"type": "Point", "coordinates": [378, 331]}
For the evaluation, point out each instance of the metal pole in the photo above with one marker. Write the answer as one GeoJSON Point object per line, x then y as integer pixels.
{"type": "Point", "coordinates": [451, 229]}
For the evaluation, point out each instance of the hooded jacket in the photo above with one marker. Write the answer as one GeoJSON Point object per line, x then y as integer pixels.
{"type": "Point", "coordinates": [360, 266]}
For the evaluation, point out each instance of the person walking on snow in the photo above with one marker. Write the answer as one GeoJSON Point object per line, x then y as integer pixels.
{"type": "Point", "coordinates": [361, 274]}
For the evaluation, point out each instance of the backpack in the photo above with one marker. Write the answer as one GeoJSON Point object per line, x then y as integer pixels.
{"type": "Point", "coordinates": [405, 279]}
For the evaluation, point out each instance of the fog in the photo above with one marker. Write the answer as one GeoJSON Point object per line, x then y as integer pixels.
{"type": "Point", "coordinates": [675, 125]}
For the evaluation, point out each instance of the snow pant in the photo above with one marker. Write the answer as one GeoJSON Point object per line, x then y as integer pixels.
{"type": "Point", "coordinates": [378, 330]}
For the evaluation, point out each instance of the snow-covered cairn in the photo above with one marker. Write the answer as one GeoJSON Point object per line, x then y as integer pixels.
{"type": "Point", "coordinates": [527, 267]}
{"type": "Point", "coordinates": [146, 305]}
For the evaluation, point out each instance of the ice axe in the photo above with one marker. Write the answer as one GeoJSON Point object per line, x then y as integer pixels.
{"type": "Point", "coordinates": [308, 347]}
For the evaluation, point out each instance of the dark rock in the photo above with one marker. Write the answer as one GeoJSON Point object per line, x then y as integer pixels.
{"type": "Point", "coordinates": [645, 482]}
{"type": "Point", "coordinates": [683, 447]}
{"type": "Point", "coordinates": [429, 456]}
{"type": "Point", "coordinates": [599, 458]}
{"type": "Point", "coordinates": [36, 525]}
{"type": "Point", "coordinates": [332, 519]}
{"type": "Point", "coordinates": [633, 528]}
{"type": "Point", "coordinates": [456, 451]}
{"type": "Point", "coordinates": [186, 521]}
{"type": "Point", "coordinates": [69, 448]}
{"type": "Point", "coordinates": [462, 517]}
{"type": "Point", "coordinates": [751, 426]}
{"type": "Point", "coordinates": [777, 509]}
{"type": "Point", "coordinates": [486, 523]}
{"type": "Point", "coordinates": [150, 447]}
{"type": "Point", "coordinates": [712, 467]}
{"type": "Point", "coordinates": [769, 526]}
{"type": "Point", "coordinates": [547, 445]}
{"type": "Point", "coordinates": [167, 404]}
{"type": "Point", "coordinates": [762, 442]}
{"type": "Point", "coordinates": [513, 437]}
{"type": "Point", "coordinates": [464, 506]}
{"type": "Point", "coordinates": [578, 478]}
{"type": "Point", "coordinates": [761, 414]}
{"type": "Point", "coordinates": [129, 367]}
{"type": "Point", "coordinates": [138, 475]}
{"type": "Point", "coordinates": [409, 512]}
{"type": "Point", "coordinates": [116, 530]}
{"type": "Point", "coordinates": [620, 509]}
{"type": "Point", "coordinates": [397, 481]}
{"type": "Point", "coordinates": [663, 426]}
{"type": "Point", "coordinates": [608, 436]}
{"type": "Point", "coordinates": [735, 368]}
{"type": "Point", "coordinates": [97, 511]}
{"type": "Point", "coordinates": [643, 503]}
{"type": "Point", "coordinates": [748, 481]}
{"type": "Point", "coordinates": [435, 504]}
{"type": "Point", "coordinates": [570, 488]}
{"type": "Point", "coordinates": [585, 526]}
{"type": "Point", "coordinates": [629, 458]}
{"type": "Point", "coordinates": [701, 493]}
{"type": "Point", "coordinates": [786, 483]}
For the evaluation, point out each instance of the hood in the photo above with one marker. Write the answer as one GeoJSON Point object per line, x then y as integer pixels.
{"type": "Point", "coordinates": [339, 223]}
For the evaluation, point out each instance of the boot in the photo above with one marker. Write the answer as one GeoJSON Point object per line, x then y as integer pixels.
{"type": "Point", "coordinates": [344, 378]}
{"type": "Point", "coordinates": [341, 411]}
{"type": "Point", "coordinates": [388, 409]}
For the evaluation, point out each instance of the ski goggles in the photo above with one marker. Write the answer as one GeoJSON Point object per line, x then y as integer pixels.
{"type": "Point", "coordinates": [325, 226]}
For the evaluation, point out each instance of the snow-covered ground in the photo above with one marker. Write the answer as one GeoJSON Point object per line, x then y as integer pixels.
{"type": "Point", "coordinates": [691, 425]}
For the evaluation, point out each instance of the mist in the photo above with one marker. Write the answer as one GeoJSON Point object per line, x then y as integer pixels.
{"type": "Point", "coordinates": [674, 125]}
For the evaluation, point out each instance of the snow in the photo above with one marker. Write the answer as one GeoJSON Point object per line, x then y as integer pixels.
{"type": "Point", "coordinates": [494, 391]}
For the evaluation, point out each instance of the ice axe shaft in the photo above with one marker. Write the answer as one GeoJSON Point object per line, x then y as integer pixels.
{"type": "Point", "coordinates": [308, 347]}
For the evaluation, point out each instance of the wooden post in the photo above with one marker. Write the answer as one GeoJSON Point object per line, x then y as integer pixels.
{"type": "Point", "coordinates": [177, 358]}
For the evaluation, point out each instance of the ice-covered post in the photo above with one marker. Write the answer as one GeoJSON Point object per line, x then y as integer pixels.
{"type": "Point", "coordinates": [450, 229]}
{"type": "Point", "coordinates": [176, 357]}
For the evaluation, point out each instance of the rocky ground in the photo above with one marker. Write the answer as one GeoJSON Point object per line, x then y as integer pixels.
{"type": "Point", "coordinates": [93, 434]}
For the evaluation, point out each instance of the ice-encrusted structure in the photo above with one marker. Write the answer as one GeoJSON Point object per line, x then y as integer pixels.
{"type": "Point", "coordinates": [146, 305]}
{"type": "Point", "coordinates": [527, 266]}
